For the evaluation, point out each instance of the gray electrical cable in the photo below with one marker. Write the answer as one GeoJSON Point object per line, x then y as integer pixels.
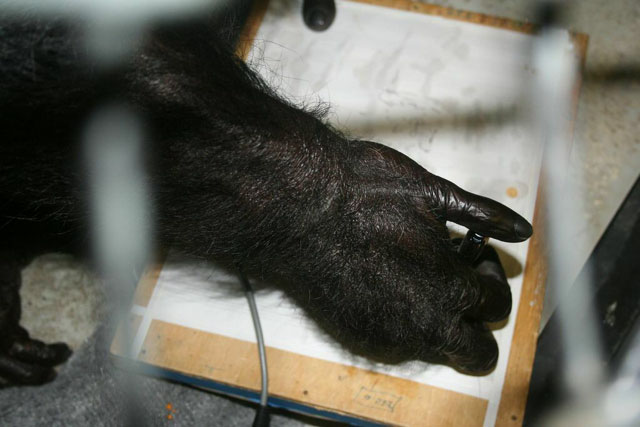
{"type": "Point", "coordinates": [264, 392]}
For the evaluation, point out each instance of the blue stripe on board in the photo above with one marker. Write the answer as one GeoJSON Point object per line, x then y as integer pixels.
{"type": "Point", "coordinates": [252, 396]}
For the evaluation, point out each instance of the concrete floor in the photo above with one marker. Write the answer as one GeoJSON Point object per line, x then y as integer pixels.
{"type": "Point", "coordinates": [62, 300]}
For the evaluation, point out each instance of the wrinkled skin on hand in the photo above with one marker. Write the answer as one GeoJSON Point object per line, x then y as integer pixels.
{"type": "Point", "coordinates": [353, 230]}
{"type": "Point", "coordinates": [376, 267]}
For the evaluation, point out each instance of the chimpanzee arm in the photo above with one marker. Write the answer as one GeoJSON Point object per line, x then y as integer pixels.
{"type": "Point", "coordinates": [354, 230]}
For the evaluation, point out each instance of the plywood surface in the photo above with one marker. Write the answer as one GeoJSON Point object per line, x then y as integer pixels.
{"type": "Point", "coordinates": [330, 386]}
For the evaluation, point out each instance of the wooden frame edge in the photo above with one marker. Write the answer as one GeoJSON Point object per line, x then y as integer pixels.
{"type": "Point", "coordinates": [515, 390]}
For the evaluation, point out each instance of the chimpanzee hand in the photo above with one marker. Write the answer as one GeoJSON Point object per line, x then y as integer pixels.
{"type": "Point", "coordinates": [356, 233]}
{"type": "Point", "coordinates": [354, 230]}
{"type": "Point", "coordinates": [384, 271]}
{"type": "Point", "coordinates": [23, 360]}
{"type": "Point", "coordinates": [27, 361]}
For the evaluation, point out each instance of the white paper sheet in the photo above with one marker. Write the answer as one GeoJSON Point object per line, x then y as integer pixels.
{"type": "Point", "coordinates": [407, 80]}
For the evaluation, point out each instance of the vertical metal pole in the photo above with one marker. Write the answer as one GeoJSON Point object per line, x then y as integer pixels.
{"type": "Point", "coordinates": [552, 110]}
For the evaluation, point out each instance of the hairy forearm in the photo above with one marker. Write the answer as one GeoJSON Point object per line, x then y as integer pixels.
{"type": "Point", "coordinates": [352, 230]}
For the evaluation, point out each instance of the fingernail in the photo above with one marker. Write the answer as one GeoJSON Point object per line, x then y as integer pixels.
{"type": "Point", "coordinates": [523, 229]}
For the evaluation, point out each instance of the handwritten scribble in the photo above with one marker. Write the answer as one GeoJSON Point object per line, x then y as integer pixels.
{"type": "Point", "coordinates": [377, 399]}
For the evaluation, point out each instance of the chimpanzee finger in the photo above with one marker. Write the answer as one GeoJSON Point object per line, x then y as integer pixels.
{"type": "Point", "coordinates": [17, 372]}
{"type": "Point", "coordinates": [478, 213]}
{"type": "Point", "coordinates": [472, 348]}
{"type": "Point", "coordinates": [36, 352]}
{"type": "Point", "coordinates": [494, 295]}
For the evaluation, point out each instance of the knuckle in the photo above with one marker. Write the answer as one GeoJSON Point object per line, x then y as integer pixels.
{"type": "Point", "coordinates": [471, 350]}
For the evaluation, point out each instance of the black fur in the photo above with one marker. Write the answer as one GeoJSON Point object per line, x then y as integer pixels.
{"type": "Point", "coordinates": [353, 230]}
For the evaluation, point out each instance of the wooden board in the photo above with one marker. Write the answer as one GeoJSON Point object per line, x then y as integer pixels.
{"type": "Point", "coordinates": [366, 394]}
{"type": "Point", "coordinates": [346, 390]}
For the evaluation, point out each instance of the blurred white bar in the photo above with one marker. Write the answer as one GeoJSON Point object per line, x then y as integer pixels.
{"type": "Point", "coordinates": [622, 400]}
{"type": "Point", "coordinates": [119, 195]}
{"type": "Point", "coordinates": [110, 10]}
{"type": "Point", "coordinates": [553, 102]}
